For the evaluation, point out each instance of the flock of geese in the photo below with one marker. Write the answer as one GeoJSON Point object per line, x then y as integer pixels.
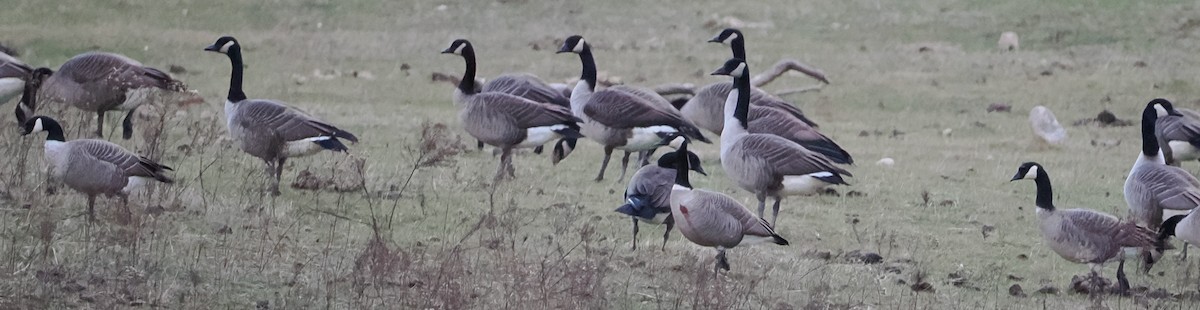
{"type": "Point", "coordinates": [768, 147]}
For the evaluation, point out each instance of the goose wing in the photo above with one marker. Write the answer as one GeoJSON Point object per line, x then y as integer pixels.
{"type": "Point", "coordinates": [1095, 227]}
{"type": "Point", "coordinates": [1170, 187]}
{"type": "Point", "coordinates": [653, 182]}
{"type": "Point", "coordinates": [778, 122]}
{"type": "Point", "coordinates": [1178, 128]}
{"type": "Point", "coordinates": [734, 214]}
{"type": "Point", "coordinates": [619, 109]}
{"type": "Point", "coordinates": [127, 162]}
{"type": "Point", "coordinates": [10, 67]}
{"type": "Point", "coordinates": [527, 86]}
{"type": "Point", "coordinates": [786, 157]}
{"type": "Point", "coordinates": [526, 113]}
{"type": "Point", "coordinates": [289, 123]}
{"type": "Point", "coordinates": [118, 72]}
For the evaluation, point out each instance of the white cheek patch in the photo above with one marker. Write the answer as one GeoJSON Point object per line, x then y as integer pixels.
{"type": "Point", "coordinates": [578, 46]}
{"type": "Point", "coordinates": [458, 50]}
{"type": "Point", "coordinates": [37, 125]}
{"type": "Point", "coordinates": [1032, 173]}
{"type": "Point", "coordinates": [225, 48]}
{"type": "Point", "coordinates": [1158, 108]}
{"type": "Point", "coordinates": [739, 71]}
{"type": "Point", "coordinates": [730, 39]}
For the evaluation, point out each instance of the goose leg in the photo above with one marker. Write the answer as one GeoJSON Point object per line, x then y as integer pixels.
{"type": "Point", "coordinates": [722, 263]}
{"type": "Point", "coordinates": [762, 203]}
{"type": "Point", "coordinates": [635, 231]}
{"type": "Point", "coordinates": [645, 160]}
{"type": "Point", "coordinates": [603, 165]}
{"type": "Point", "coordinates": [127, 125]}
{"type": "Point", "coordinates": [775, 211]}
{"type": "Point", "coordinates": [505, 161]}
{"type": "Point", "coordinates": [624, 165]}
{"type": "Point", "coordinates": [479, 145]}
{"type": "Point", "coordinates": [1185, 246]}
{"type": "Point", "coordinates": [278, 175]}
{"type": "Point", "coordinates": [508, 165]}
{"type": "Point", "coordinates": [1122, 282]}
{"type": "Point", "coordinates": [537, 150]}
{"type": "Point", "coordinates": [100, 124]}
{"type": "Point", "coordinates": [91, 211]}
{"type": "Point", "coordinates": [670, 224]}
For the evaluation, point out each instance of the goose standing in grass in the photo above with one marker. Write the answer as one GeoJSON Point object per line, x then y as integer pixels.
{"type": "Point", "coordinates": [1151, 185]}
{"type": "Point", "coordinates": [1082, 235]}
{"type": "Point", "coordinates": [1184, 226]}
{"type": "Point", "coordinates": [713, 219]}
{"type": "Point", "coordinates": [648, 194]}
{"type": "Point", "coordinates": [522, 85]}
{"type": "Point", "coordinates": [508, 121]}
{"type": "Point", "coordinates": [1178, 134]}
{"type": "Point", "coordinates": [93, 167]}
{"type": "Point", "coordinates": [768, 114]}
{"type": "Point", "coordinates": [764, 164]}
{"type": "Point", "coordinates": [100, 82]}
{"type": "Point", "coordinates": [271, 130]}
{"type": "Point", "coordinates": [13, 74]}
{"type": "Point", "coordinates": [619, 118]}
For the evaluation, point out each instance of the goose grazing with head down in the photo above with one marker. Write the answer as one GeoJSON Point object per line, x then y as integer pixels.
{"type": "Point", "coordinates": [648, 194]}
{"type": "Point", "coordinates": [101, 82]}
{"type": "Point", "coordinates": [1184, 226]}
{"type": "Point", "coordinates": [764, 164]}
{"type": "Point", "coordinates": [714, 219]}
{"type": "Point", "coordinates": [768, 114]}
{"type": "Point", "coordinates": [1082, 235]}
{"type": "Point", "coordinates": [1151, 185]}
{"type": "Point", "coordinates": [620, 117]}
{"type": "Point", "coordinates": [13, 74]}
{"type": "Point", "coordinates": [1178, 134]}
{"type": "Point", "coordinates": [93, 167]}
{"type": "Point", "coordinates": [508, 121]}
{"type": "Point", "coordinates": [522, 85]}
{"type": "Point", "coordinates": [271, 130]}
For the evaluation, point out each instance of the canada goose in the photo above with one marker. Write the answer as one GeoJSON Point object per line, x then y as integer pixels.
{"type": "Point", "coordinates": [33, 81]}
{"type": "Point", "coordinates": [271, 130]}
{"type": "Point", "coordinates": [1082, 235]}
{"type": "Point", "coordinates": [1151, 185]}
{"type": "Point", "coordinates": [618, 117]}
{"type": "Point", "coordinates": [648, 194]}
{"type": "Point", "coordinates": [768, 114]}
{"type": "Point", "coordinates": [505, 120]}
{"type": "Point", "coordinates": [92, 166]}
{"type": "Point", "coordinates": [13, 74]}
{"type": "Point", "coordinates": [1178, 134]}
{"type": "Point", "coordinates": [101, 82]}
{"type": "Point", "coordinates": [1185, 227]}
{"type": "Point", "coordinates": [705, 108]}
{"type": "Point", "coordinates": [714, 219]}
{"type": "Point", "coordinates": [764, 164]}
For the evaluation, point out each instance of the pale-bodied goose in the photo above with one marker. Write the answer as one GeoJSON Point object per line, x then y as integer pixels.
{"type": "Point", "coordinates": [713, 219]}
{"type": "Point", "coordinates": [1151, 185]}
{"type": "Point", "coordinates": [1178, 134]}
{"type": "Point", "coordinates": [1082, 235]}
{"type": "Point", "coordinates": [13, 74]}
{"type": "Point", "coordinates": [764, 164]}
{"type": "Point", "coordinates": [101, 82]}
{"type": "Point", "coordinates": [648, 194]}
{"type": "Point", "coordinates": [93, 167]}
{"type": "Point", "coordinates": [507, 121]}
{"type": "Point", "coordinates": [620, 118]}
{"type": "Point", "coordinates": [768, 114]}
{"type": "Point", "coordinates": [271, 130]}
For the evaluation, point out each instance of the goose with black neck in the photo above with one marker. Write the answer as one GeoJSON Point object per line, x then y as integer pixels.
{"type": "Point", "coordinates": [648, 194]}
{"type": "Point", "coordinates": [1152, 185]}
{"type": "Point", "coordinates": [763, 164]}
{"type": "Point", "coordinates": [270, 130]}
{"type": "Point", "coordinates": [621, 119]}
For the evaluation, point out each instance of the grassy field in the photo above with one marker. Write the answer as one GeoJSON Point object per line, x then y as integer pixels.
{"type": "Point", "coordinates": [421, 226]}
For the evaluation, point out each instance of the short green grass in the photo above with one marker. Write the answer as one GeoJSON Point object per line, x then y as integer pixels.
{"type": "Point", "coordinates": [550, 239]}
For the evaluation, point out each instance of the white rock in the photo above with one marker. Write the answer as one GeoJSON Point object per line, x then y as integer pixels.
{"type": "Point", "coordinates": [441, 7]}
{"type": "Point", "coordinates": [946, 132]}
{"type": "Point", "coordinates": [1046, 126]}
{"type": "Point", "coordinates": [1009, 41]}
{"type": "Point", "coordinates": [886, 162]}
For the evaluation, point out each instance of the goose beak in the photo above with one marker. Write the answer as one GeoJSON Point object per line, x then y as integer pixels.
{"type": "Point", "coordinates": [1017, 177]}
{"type": "Point", "coordinates": [213, 48]}
{"type": "Point", "coordinates": [720, 71]}
{"type": "Point", "coordinates": [564, 49]}
{"type": "Point", "coordinates": [448, 50]}
{"type": "Point", "coordinates": [700, 170]}
{"type": "Point", "coordinates": [716, 39]}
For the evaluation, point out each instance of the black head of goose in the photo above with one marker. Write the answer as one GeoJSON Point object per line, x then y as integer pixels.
{"type": "Point", "coordinates": [764, 164]}
{"type": "Point", "coordinates": [621, 117]}
{"type": "Point", "coordinates": [271, 130]}
{"type": "Point", "coordinates": [714, 219]}
{"type": "Point", "coordinates": [100, 82]}
{"type": "Point", "coordinates": [1178, 135]}
{"type": "Point", "coordinates": [1151, 185]}
{"type": "Point", "coordinates": [1083, 235]}
{"type": "Point", "coordinates": [1184, 226]}
{"type": "Point", "coordinates": [13, 74]}
{"type": "Point", "coordinates": [93, 167]}
{"type": "Point", "coordinates": [648, 194]}
{"type": "Point", "coordinates": [508, 121]}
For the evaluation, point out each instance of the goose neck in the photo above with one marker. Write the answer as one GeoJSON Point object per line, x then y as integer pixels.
{"type": "Point", "coordinates": [739, 48]}
{"type": "Point", "coordinates": [589, 67]}
{"type": "Point", "coordinates": [235, 80]}
{"type": "Point", "coordinates": [467, 84]}
{"type": "Point", "coordinates": [1045, 195]}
